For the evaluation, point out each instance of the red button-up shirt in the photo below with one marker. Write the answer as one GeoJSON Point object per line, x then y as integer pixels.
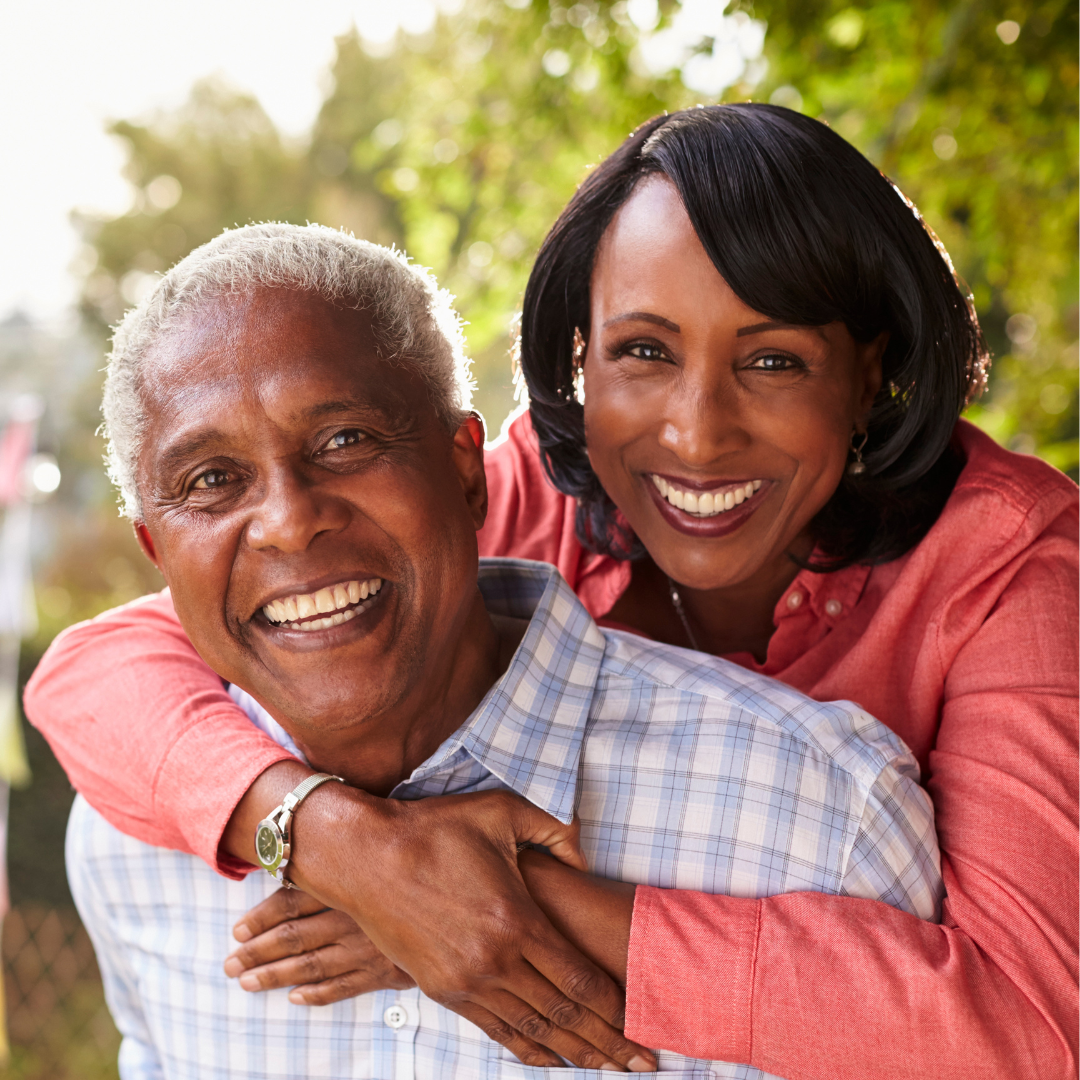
{"type": "Point", "coordinates": [966, 647]}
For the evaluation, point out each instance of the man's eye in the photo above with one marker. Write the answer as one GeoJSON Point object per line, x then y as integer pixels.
{"type": "Point", "coordinates": [349, 437]}
{"type": "Point", "coordinates": [211, 480]}
{"type": "Point", "coordinates": [774, 363]}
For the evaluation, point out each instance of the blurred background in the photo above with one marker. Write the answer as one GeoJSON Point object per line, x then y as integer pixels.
{"type": "Point", "coordinates": [456, 129]}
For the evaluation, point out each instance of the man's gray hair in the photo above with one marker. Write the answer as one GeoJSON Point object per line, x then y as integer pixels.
{"type": "Point", "coordinates": [414, 321]}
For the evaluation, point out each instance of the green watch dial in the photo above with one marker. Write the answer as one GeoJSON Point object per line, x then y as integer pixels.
{"type": "Point", "coordinates": [268, 845]}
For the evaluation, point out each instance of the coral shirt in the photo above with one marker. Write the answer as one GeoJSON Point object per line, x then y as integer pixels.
{"type": "Point", "coordinates": [966, 647]}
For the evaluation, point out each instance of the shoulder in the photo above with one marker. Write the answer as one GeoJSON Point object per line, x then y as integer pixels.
{"type": "Point", "coordinates": [708, 695]}
{"type": "Point", "coordinates": [1008, 501]}
{"type": "Point", "coordinates": [527, 516]}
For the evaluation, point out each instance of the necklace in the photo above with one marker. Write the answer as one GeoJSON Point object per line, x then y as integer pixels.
{"type": "Point", "coordinates": [677, 604]}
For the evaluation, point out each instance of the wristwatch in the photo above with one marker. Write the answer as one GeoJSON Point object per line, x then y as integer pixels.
{"type": "Point", "coordinates": [273, 839]}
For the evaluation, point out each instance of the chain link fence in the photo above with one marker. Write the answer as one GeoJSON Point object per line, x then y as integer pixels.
{"type": "Point", "coordinates": [58, 1025]}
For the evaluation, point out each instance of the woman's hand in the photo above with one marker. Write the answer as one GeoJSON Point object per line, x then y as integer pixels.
{"type": "Point", "coordinates": [435, 886]}
{"type": "Point", "coordinates": [292, 939]}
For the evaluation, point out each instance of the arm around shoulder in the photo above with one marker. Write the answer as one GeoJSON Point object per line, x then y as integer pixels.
{"type": "Point", "coordinates": [146, 731]}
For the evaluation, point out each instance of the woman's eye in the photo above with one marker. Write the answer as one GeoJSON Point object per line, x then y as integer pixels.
{"type": "Point", "coordinates": [349, 437]}
{"type": "Point", "coordinates": [774, 363]}
{"type": "Point", "coordinates": [643, 350]}
{"type": "Point", "coordinates": [211, 480]}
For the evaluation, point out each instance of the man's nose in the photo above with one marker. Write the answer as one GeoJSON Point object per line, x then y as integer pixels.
{"type": "Point", "coordinates": [703, 419]}
{"type": "Point", "coordinates": [293, 510]}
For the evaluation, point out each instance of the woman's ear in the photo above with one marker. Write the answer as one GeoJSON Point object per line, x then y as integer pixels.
{"type": "Point", "coordinates": [868, 363]}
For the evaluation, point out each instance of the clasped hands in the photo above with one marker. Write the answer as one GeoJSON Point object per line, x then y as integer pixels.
{"type": "Point", "coordinates": [527, 946]}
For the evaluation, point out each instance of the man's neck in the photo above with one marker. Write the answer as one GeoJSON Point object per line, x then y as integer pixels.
{"type": "Point", "coordinates": [386, 750]}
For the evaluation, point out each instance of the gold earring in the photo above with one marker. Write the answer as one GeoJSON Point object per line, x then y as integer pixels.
{"type": "Point", "coordinates": [579, 348]}
{"type": "Point", "coordinates": [858, 466]}
{"type": "Point", "coordinates": [578, 367]}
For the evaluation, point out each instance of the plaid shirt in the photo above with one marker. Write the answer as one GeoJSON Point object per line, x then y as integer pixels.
{"type": "Point", "coordinates": [687, 772]}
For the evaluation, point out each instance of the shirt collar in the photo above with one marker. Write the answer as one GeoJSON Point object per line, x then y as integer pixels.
{"type": "Point", "coordinates": [528, 729]}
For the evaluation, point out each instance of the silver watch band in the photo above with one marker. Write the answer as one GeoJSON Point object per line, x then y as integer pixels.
{"type": "Point", "coordinates": [283, 815]}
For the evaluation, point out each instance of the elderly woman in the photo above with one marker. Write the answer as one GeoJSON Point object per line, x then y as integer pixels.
{"type": "Point", "coordinates": [746, 357]}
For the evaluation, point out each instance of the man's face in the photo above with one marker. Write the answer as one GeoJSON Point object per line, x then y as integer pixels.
{"type": "Point", "coordinates": [284, 461]}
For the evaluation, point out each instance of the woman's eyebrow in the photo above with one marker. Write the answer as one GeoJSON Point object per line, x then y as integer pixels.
{"type": "Point", "coordinates": [644, 316]}
{"type": "Point", "coordinates": [757, 328]}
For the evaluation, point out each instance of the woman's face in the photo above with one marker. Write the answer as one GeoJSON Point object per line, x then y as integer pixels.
{"type": "Point", "coordinates": [718, 432]}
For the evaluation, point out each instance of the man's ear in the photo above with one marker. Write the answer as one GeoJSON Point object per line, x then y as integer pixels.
{"type": "Point", "coordinates": [469, 463]}
{"type": "Point", "coordinates": [146, 542]}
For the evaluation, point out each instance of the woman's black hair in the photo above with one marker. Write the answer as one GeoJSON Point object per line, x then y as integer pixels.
{"type": "Point", "coordinates": [805, 230]}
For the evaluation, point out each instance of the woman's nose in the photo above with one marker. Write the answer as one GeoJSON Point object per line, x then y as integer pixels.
{"type": "Point", "coordinates": [293, 510]}
{"type": "Point", "coordinates": [702, 421]}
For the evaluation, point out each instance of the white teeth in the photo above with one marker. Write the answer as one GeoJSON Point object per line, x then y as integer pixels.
{"type": "Point", "coordinates": [289, 610]}
{"type": "Point", "coordinates": [708, 504]}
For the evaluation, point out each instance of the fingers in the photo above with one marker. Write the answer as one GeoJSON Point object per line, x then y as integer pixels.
{"type": "Point", "coordinates": [276, 908]}
{"type": "Point", "coordinates": [524, 1049]}
{"type": "Point", "coordinates": [310, 967]}
{"type": "Point", "coordinates": [532, 825]}
{"type": "Point", "coordinates": [350, 984]}
{"type": "Point", "coordinates": [570, 975]}
{"type": "Point", "coordinates": [546, 1016]}
{"type": "Point", "coordinates": [298, 936]}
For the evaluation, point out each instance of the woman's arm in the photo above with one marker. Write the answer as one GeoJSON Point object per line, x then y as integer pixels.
{"type": "Point", "coordinates": [146, 731]}
{"type": "Point", "coordinates": [811, 986]}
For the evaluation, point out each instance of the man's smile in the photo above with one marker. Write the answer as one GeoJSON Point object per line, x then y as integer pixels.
{"type": "Point", "coordinates": [326, 607]}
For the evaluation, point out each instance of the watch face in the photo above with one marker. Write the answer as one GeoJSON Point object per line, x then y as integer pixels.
{"type": "Point", "coordinates": [268, 845]}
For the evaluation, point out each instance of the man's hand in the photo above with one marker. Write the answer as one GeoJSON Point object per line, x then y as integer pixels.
{"type": "Point", "coordinates": [435, 886]}
{"type": "Point", "coordinates": [291, 939]}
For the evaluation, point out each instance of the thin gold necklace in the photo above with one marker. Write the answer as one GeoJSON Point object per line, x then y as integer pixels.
{"type": "Point", "coordinates": [677, 604]}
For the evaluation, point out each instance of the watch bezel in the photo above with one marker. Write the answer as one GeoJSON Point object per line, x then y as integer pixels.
{"type": "Point", "coordinates": [274, 829]}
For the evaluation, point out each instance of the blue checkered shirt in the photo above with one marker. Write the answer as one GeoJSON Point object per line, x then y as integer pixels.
{"type": "Point", "coordinates": [687, 772]}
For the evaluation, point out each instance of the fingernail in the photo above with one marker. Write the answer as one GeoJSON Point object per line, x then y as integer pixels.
{"type": "Point", "coordinates": [249, 981]}
{"type": "Point", "coordinates": [296, 997]}
{"type": "Point", "coordinates": [233, 967]}
{"type": "Point", "coordinates": [241, 932]}
{"type": "Point", "coordinates": [608, 1067]}
{"type": "Point", "coordinates": [639, 1064]}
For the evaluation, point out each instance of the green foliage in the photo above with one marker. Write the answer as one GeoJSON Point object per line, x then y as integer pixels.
{"type": "Point", "coordinates": [981, 135]}
{"type": "Point", "coordinates": [462, 146]}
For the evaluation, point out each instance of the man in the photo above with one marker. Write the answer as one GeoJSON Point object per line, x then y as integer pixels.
{"type": "Point", "coordinates": [287, 426]}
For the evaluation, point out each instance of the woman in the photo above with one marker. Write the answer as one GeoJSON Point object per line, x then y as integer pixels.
{"type": "Point", "coordinates": [746, 357]}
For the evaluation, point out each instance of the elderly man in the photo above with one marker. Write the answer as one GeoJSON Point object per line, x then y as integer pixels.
{"type": "Point", "coordinates": [287, 425]}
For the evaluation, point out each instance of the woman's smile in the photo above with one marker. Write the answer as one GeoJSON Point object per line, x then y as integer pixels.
{"type": "Point", "coordinates": [709, 509]}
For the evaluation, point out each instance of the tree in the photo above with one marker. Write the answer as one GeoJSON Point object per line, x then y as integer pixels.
{"type": "Point", "coordinates": [462, 145]}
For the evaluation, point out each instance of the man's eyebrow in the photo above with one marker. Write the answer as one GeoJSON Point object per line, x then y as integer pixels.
{"type": "Point", "coordinates": [644, 316]}
{"type": "Point", "coordinates": [192, 446]}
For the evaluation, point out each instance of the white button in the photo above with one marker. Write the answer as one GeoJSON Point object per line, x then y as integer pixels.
{"type": "Point", "coordinates": [395, 1017]}
{"type": "Point", "coordinates": [794, 600]}
{"type": "Point", "coordinates": [833, 608]}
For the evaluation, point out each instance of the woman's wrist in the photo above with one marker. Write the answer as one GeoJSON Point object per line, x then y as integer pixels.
{"type": "Point", "coordinates": [592, 913]}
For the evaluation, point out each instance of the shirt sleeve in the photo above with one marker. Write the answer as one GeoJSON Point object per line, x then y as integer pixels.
{"type": "Point", "coordinates": [146, 732]}
{"type": "Point", "coordinates": [812, 986]}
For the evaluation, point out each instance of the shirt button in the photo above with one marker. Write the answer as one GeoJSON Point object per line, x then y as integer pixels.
{"type": "Point", "coordinates": [395, 1017]}
{"type": "Point", "coordinates": [794, 600]}
{"type": "Point", "coordinates": [833, 608]}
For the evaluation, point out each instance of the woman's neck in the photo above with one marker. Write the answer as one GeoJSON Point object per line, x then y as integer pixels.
{"type": "Point", "coordinates": [733, 619]}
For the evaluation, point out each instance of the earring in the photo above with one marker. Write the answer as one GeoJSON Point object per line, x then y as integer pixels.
{"type": "Point", "coordinates": [579, 366]}
{"type": "Point", "coordinates": [858, 466]}
{"type": "Point", "coordinates": [579, 348]}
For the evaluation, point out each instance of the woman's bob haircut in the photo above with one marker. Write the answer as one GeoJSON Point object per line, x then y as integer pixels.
{"type": "Point", "coordinates": [804, 230]}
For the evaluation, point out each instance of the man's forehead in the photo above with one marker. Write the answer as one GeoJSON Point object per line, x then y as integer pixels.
{"type": "Point", "coordinates": [292, 352]}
